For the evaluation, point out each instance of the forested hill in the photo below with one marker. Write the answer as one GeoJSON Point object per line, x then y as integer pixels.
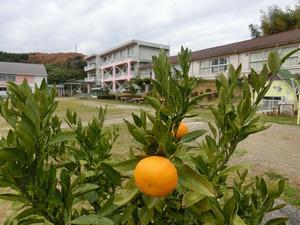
{"type": "Point", "coordinates": [60, 66]}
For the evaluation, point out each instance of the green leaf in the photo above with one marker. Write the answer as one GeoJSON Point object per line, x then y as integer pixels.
{"type": "Point", "coordinates": [230, 209]}
{"type": "Point", "coordinates": [126, 194]}
{"type": "Point", "coordinates": [277, 221]}
{"type": "Point", "coordinates": [62, 137]}
{"type": "Point", "coordinates": [7, 154]}
{"type": "Point", "coordinates": [136, 120]}
{"type": "Point", "coordinates": [92, 219]}
{"type": "Point", "coordinates": [154, 102]}
{"type": "Point", "coordinates": [213, 129]}
{"type": "Point", "coordinates": [275, 189]}
{"type": "Point", "coordinates": [136, 133]}
{"type": "Point", "coordinates": [107, 208]}
{"type": "Point", "coordinates": [238, 221]}
{"type": "Point", "coordinates": [150, 201]}
{"type": "Point", "coordinates": [194, 181]}
{"type": "Point", "coordinates": [126, 165]}
{"type": "Point", "coordinates": [192, 135]}
{"type": "Point", "coordinates": [113, 175]}
{"type": "Point", "coordinates": [274, 62]}
{"type": "Point", "coordinates": [145, 215]}
{"type": "Point", "coordinates": [84, 188]}
{"type": "Point", "coordinates": [13, 197]}
{"type": "Point", "coordinates": [190, 198]}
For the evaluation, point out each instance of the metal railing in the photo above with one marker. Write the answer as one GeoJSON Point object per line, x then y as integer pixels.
{"type": "Point", "coordinates": [90, 67]}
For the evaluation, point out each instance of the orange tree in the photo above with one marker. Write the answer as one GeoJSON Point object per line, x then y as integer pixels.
{"type": "Point", "coordinates": [46, 170]}
{"type": "Point", "coordinates": [68, 177]}
{"type": "Point", "coordinates": [203, 193]}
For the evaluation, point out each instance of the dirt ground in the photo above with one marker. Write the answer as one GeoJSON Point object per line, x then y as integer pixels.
{"type": "Point", "coordinates": [277, 149]}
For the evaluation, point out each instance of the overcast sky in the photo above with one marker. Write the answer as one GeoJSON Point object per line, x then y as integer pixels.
{"type": "Point", "coordinates": [95, 25]}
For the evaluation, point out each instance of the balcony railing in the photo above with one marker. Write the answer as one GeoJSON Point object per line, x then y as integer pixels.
{"type": "Point", "coordinates": [90, 67]}
{"type": "Point", "coordinates": [122, 74]}
{"type": "Point", "coordinates": [107, 77]}
{"type": "Point", "coordinates": [90, 79]}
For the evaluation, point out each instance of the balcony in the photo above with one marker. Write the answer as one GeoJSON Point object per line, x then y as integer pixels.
{"type": "Point", "coordinates": [90, 67]}
{"type": "Point", "coordinates": [90, 79]}
{"type": "Point", "coordinates": [107, 77]}
{"type": "Point", "coordinates": [121, 74]}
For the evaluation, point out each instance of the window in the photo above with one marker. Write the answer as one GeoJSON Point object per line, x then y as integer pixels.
{"type": "Point", "coordinates": [258, 59]}
{"type": "Point", "coordinates": [131, 51]}
{"type": "Point", "coordinates": [7, 77]}
{"type": "Point", "coordinates": [2, 88]}
{"type": "Point", "coordinates": [212, 66]}
{"type": "Point", "coordinates": [293, 59]}
{"type": "Point", "coordinates": [270, 103]}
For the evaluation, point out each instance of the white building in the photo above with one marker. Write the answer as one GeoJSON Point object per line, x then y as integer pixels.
{"type": "Point", "coordinates": [208, 63]}
{"type": "Point", "coordinates": [114, 67]}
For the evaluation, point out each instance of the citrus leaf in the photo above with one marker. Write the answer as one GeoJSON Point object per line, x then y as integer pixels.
{"type": "Point", "coordinates": [92, 219]}
{"type": "Point", "coordinates": [238, 221]}
{"type": "Point", "coordinates": [194, 181]}
{"type": "Point", "coordinates": [277, 221]}
{"type": "Point", "coordinates": [126, 194]}
{"type": "Point", "coordinates": [84, 188]}
{"type": "Point", "coordinates": [62, 137]}
{"type": "Point", "coordinates": [113, 175]}
{"type": "Point", "coordinates": [190, 198]}
{"type": "Point", "coordinates": [126, 165]}
{"type": "Point", "coordinates": [192, 135]}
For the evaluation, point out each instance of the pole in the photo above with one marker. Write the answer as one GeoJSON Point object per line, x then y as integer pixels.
{"type": "Point", "coordinates": [298, 116]}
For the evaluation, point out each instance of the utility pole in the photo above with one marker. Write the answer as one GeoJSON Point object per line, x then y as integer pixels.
{"type": "Point", "coordinates": [75, 47]}
{"type": "Point", "coordinates": [298, 115]}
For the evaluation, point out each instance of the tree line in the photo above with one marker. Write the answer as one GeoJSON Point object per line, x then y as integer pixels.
{"type": "Point", "coordinates": [58, 71]}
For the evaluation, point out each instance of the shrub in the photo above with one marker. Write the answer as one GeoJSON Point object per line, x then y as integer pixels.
{"type": "Point", "coordinates": [68, 177]}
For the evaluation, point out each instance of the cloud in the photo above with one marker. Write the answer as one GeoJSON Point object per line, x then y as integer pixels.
{"type": "Point", "coordinates": [95, 25]}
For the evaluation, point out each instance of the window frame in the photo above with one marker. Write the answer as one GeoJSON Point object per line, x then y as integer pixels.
{"type": "Point", "coordinates": [210, 66]}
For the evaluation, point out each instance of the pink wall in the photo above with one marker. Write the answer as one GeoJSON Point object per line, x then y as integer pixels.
{"type": "Point", "coordinates": [20, 78]}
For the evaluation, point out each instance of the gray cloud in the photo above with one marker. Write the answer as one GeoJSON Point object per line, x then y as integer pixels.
{"type": "Point", "coordinates": [53, 26]}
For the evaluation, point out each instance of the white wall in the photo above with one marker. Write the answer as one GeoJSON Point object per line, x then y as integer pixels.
{"type": "Point", "coordinates": [38, 80]}
{"type": "Point", "coordinates": [244, 59]}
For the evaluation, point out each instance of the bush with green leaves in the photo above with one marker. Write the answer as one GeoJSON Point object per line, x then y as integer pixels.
{"type": "Point", "coordinates": [205, 193]}
{"type": "Point", "coordinates": [48, 170]}
{"type": "Point", "coordinates": [67, 176]}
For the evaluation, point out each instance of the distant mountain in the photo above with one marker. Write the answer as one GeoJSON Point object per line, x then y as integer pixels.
{"type": "Point", "coordinates": [60, 66]}
{"type": "Point", "coordinates": [39, 57]}
{"type": "Point", "coordinates": [53, 58]}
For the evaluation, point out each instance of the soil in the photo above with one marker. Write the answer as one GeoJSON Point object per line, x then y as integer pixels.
{"type": "Point", "coordinates": [276, 149]}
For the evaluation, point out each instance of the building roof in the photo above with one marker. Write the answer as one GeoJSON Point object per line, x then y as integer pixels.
{"type": "Point", "coordinates": [284, 38]}
{"type": "Point", "coordinates": [22, 69]}
{"type": "Point", "coordinates": [288, 77]}
{"type": "Point", "coordinates": [132, 42]}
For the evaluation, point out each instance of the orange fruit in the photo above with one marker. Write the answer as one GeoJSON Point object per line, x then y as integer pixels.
{"type": "Point", "coordinates": [181, 131]}
{"type": "Point", "coordinates": [155, 176]}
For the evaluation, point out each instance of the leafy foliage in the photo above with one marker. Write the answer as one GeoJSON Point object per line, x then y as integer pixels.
{"type": "Point", "coordinates": [203, 195]}
{"type": "Point", "coordinates": [47, 169]}
{"type": "Point", "coordinates": [68, 176]}
{"type": "Point", "coordinates": [13, 57]}
{"type": "Point", "coordinates": [276, 20]}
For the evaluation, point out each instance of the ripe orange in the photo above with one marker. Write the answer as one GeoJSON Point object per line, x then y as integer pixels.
{"type": "Point", "coordinates": [156, 176]}
{"type": "Point", "coordinates": [181, 131]}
